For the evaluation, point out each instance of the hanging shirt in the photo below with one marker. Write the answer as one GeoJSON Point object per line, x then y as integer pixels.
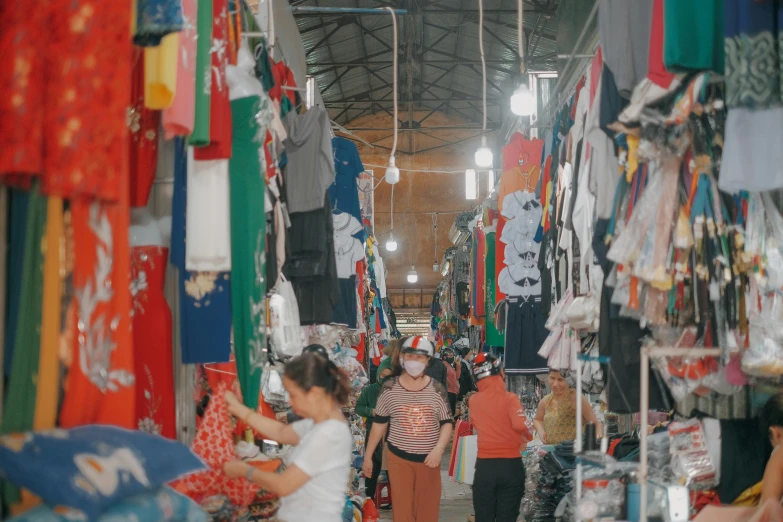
{"type": "Point", "coordinates": [344, 192]}
{"type": "Point", "coordinates": [693, 39]}
{"type": "Point", "coordinates": [348, 251]}
{"type": "Point", "coordinates": [519, 150]}
{"type": "Point", "coordinates": [624, 32]}
{"type": "Point", "coordinates": [324, 454]}
{"type": "Point", "coordinates": [310, 170]}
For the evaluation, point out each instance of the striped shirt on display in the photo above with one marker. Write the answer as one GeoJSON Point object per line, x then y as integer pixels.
{"type": "Point", "coordinates": [414, 418]}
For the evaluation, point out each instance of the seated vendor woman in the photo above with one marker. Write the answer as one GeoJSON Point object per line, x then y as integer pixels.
{"type": "Point", "coordinates": [555, 420]}
{"type": "Point", "coordinates": [772, 423]}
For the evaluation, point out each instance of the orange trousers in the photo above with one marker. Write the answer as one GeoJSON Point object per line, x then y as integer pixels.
{"type": "Point", "coordinates": [415, 490]}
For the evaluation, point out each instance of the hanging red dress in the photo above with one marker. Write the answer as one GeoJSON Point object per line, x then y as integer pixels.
{"type": "Point", "coordinates": [219, 104]}
{"type": "Point", "coordinates": [143, 125]}
{"type": "Point", "coordinates": [85, 132]}
{"type": "Point", "coordinates": [152, 342]}
{"type": "Point", "coordinates": [23, 46]}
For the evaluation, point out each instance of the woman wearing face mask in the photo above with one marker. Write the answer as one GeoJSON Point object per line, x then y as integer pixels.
{"type": "Point", "coordinates": [555, 420]}
{"type": "Point", "coordinates": [314, 484]}
{"type": "Point", "coordinates": [414, 409]}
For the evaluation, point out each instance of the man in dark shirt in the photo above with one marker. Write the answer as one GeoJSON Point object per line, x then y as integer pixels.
{"type": "Point", "coordinates": [437, 370]}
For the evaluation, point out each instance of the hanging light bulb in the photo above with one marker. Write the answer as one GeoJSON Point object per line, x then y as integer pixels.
{"type": "Point", "coordinates": [490, 181]}
{"type": "Point", "coordinates": [484, 154]}
{"type": "Point", "coordinates": [522, 101]}
{"type": "Point", "coordinates": [412, 275]}
{"type": "Point", "coordinates": [392, 172]}
{"type": "Point", "coordinates": [470, 184]}
{"type": "Point", "coordinates": [391, 244]}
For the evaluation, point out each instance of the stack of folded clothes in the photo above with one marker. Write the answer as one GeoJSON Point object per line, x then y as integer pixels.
{"type": "Point", "coordinates": [554, 482]}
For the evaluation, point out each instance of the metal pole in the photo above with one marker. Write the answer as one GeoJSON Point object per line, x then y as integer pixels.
{"type": "Point", "coordinates": [644, 406]}
{"type": "Point", "coordinates": [578, 441]}
{"type": "Point", "coordinates": [343, 10]}
{"type": "Point", "coordinates": [567, 56]}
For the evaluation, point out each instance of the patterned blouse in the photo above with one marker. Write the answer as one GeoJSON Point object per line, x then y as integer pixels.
{"type": "Point", "coordinates": [559, 419]}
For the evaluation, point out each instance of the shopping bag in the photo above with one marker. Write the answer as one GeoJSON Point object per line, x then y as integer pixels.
{"type": "Point", "coordinates": [469, 446]}
{"type": "Point", "coordinates": [285, 328]}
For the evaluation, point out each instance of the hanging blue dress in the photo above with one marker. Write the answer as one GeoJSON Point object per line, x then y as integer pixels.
{"type": "Point", "coordinates": [204, 297]}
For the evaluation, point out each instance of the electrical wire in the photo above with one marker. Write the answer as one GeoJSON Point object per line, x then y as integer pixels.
{"type": "Point", "coordinates": [483, 63]}
{"type": "Point", "coordinates": [394, 61]}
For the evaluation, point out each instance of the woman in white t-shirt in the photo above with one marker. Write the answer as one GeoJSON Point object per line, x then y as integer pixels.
{"type": "Point", "coordinates": [314, 485]}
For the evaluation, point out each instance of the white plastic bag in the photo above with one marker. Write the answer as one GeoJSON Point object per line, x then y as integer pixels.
{"type": "Point", "coordinates": [286, 333]}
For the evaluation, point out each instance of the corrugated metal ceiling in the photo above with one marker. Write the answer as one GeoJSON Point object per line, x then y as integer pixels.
{"type": "Point", "coordinates": [351, 56]}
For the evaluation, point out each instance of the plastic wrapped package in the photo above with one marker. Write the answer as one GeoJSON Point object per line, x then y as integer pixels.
{"type": "Point", "coordinates": [764, 356]}
{"type": "Point", "coordinates": [627, 247]}
{"type": "Point", "coordinates": [695, 470]}
{"type": "Point", "coordinates": [691, 462]}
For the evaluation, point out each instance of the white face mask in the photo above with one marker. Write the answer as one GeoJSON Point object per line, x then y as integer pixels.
{"type": "Point", "coordinates": [414, 368]}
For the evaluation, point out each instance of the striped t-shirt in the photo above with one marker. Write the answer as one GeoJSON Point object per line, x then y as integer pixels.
{"type": "Point", "coordinates": [414, 418]}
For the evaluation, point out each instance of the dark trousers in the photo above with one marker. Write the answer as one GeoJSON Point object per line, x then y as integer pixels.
{"type": "Point", "coordinates": [498, 488]}
{"type": "Point", "coordinates": [377, 462]}
{"type": "Point", "coordinates": [453, 402]}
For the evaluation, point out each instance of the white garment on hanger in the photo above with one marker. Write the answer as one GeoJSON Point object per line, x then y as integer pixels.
{"type": "Point", "coordinates": [347, 251]}
{"type": "Point", "coordinates": [517, 280]}
{"type": "Point", "coordinates": [514, 203]}
{"type": "Point", "coordinates": [345, 224]}
{"type": "Point", "coordinates": [380, 273]}
{"type": "Point", "coordinates": [208, 220]}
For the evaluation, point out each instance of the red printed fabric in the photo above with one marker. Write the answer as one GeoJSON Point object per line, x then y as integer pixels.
{"type": "Point", "coordinates": [101, 387]}
{"type": "Point", "coordinates": [143, 125]}
{"type": "Point", "coordinates": [85, 118]}
{"type": "Point", "coordinates": [219, 103]}
{"type": "Point", "coordinates": [214, 444]}
{"type": "Point", "coordinates": [23, 44]}
{"type": "Point", "coordinates": [64, 88]}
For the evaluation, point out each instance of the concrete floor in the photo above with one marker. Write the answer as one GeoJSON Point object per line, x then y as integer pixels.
{"type": "Point", "coordinates": [456, 500]}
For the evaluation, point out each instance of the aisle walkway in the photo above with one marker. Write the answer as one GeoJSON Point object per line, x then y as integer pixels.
{"type": "Point", "coordinates": [456, 500]}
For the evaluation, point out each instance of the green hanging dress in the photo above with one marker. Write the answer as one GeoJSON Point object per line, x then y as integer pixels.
{"type": "Point", "coordinates": [200, 135]}
{"type": "Point", "coordinates": [248, 247]}
{"type": "Point", "coordinates": [19, 409]}
{"type": "Point", "coordinates": [494, 338]}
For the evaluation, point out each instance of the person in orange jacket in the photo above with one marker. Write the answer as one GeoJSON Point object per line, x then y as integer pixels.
{"type": "Point", "coordinates": [499, 419]}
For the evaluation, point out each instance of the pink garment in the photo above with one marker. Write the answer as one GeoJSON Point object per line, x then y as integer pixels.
{"type": "Point", "coordinates": [178, 119]}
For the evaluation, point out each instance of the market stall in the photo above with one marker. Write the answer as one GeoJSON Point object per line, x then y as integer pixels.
{"type": "Point", "coordinates": [180, 244]}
